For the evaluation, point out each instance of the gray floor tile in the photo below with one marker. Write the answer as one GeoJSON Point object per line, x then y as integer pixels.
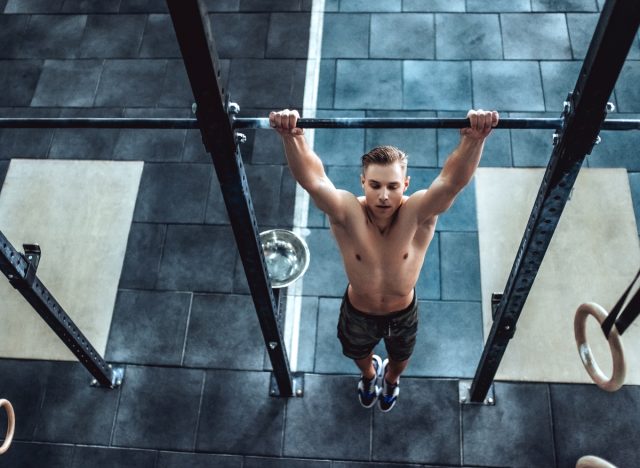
{"type": "Point", "coordinates": [36, 455]}
{"type": "Point", "coordinates": [341, 147]}
{"type": "Point", "coordinates": [256, 462]}
{"type": "Point", "coordinates": [564, 5]}
{"type": "Point", "coordinates": [288, 35]}
{"type": "Point", "coordinates": [91, 6]}
{"type": "Point", "coordinates": [176, 89]}
{"type": "Point", "coordinates": [250, 422]}
{"type": "Point", "coordinates": [634, 183]}
{"type": "Point", "coordinates": [167, 415]}
{"type": "Point", "coordinates": [581, 28]}
{"type": "Point", "coordinates": [72, 410]}
{"type": "Point", "coordinates": [4, 166]}
{"type": "Point", "coordinates": [326, 83]}
{"type": "Point", "coordinates": [496, 153]}
{"type": "Point", "coordinates": [70, 83]}
{"type": "Point", "coordinates": [250, 83]}
{"type": "Point", "coordinates": [240, 35]}
{"type": "Point", "coordinates": [197, 258]}
{"type": "Point", "coordinates": [12, 29]}
{"type": "Point", "coordinates": [433, 5]}
{"type": "Point", "coordinates": [422, 405]}
{"type": "Point", "coordinates": [558, 80]}
{"type": "Point", "coordinates": [341, 464]}
{"type": "Point", "coordinates": [143, 6]}
{"type": "Point", "coordinates": [460, 266]}
{"type": "Point", "coordinates": [428, 286]}
{"type": "Point", "coordinates": [267, 149]}
{"type": "Point", "coordinates": [219, 327]}
{"type": "Point", "coordinates": [194, 150]}
{"type": "Point", "coordinates": [607, 429]}
{"type": "Point", "coordinates": [33, 6]}
{"type": "Point", "coordinates": [515, 432]}
{"type": "Point", "coordinates": [27, 142]}
{"type": "Point", "coordinates": [112, 36]}
{"type": "Point", "coordinates": [142, 259]}
{"type": "Point", "coordinates": [161, 145]}
{"type": "Point", "coordinates": [99, 457]}
{"type": "Point", "coordinates": [23, 384]}
{"type": "Point", "coordinates": [498, 6]}
{"type": "Point", "coordinates": [345, 35]}
{"type": "Point", "coordinates": [361, 83]}
{"type": "Point", "coordinates": [468, 36]}
{"type": "Point", "coordinates": [197, 460]}
{"type": "Point", "coordinates": [456, 356]}
{"type": "Point", "coordinates": [159, 39]}
{"type": "Point", "coordinates": [52, 36]}
{"type": "Point", "coordinates": [365, 6]}
{"type": "Point", "coordinates": [616, 149]}
{"type": "Point", "coordinates": [627, 92]}
{"type": "Point", "coordinates": [325, 276]}
{"type": "Point", "coordinates": [173, 193]}
{"type": "Point", "coordinates": [507, 86]}
{"type": "Point", "coordinates": [274, 5]}
{"type": "Point", "coordinates": [18, 79]}
{"type": "Point", "coordinates": [149, 327]}
{"type": "Point", "coordinates": [419, 144]}
{"type": "Point", "coordinates": [130, 83]}
{"type": "Point", "coordinates": [449, 85]}
{"type": "Point", "coordinates": [413, 38]}
{"type": "Point", "coordinates": [539, 36]}
{"type": "Point", "coordinates": [329, 358]}
{"type": "Point", "coordinates": [308, 334]}
{"type": "Point", "coordinates": [303, 439]}
{"type": "Point", "coordinates": [85, 143]}
{"type": "Point", "coordinates": [532, 148]}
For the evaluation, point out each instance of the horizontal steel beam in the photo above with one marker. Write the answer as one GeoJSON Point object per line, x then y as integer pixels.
{"type": "Point", "coordinates": [260, 123]}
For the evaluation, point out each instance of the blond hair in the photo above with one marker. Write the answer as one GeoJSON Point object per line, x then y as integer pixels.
{"type": "Point", "coordinates": [384, 155]}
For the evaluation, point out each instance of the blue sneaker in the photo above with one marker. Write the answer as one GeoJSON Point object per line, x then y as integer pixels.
{"type": "Point", "coordinates": [390, 392]}
{"type": "Point", "coordinates": [369, 390]}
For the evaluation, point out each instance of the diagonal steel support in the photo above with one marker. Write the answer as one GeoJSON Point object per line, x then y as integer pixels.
{"type": "Point", "coordinates": [201, 62]}
{"type": "Point", "coordinates": [20, 270]}
{"type": "Point", "coordinates": [613, 37]}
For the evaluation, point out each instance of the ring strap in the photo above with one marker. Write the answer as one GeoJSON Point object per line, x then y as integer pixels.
{"type": "Point", "coordinates": [627, 315]}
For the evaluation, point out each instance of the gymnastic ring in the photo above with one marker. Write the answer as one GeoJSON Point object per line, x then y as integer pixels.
{"type": "Point", "coordinates": [615, 344]}
{"type": "Point", "coordinates": [590, 461]}
{"type": "Point", "coordinates": [10, 427]}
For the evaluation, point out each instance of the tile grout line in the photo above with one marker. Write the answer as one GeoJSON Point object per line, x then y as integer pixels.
{"type": "Point", "coordinates": [186, 330]}
{"type": "Point", "coordinates": [301, 206]}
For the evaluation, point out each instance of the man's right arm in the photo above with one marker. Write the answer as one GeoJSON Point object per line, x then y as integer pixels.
{"type": "Point", "coordinates": [306, 166]}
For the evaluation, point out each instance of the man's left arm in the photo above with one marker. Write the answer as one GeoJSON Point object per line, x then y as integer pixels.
{"type": "Point", "coordinates": [459, 167]}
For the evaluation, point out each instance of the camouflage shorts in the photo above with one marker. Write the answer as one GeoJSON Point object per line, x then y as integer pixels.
{"type": "Point", "coordinates": [359, 333]}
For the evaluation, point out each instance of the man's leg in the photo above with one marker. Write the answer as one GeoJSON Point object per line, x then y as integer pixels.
{"type": "Point", "coordinates": [394, 369]}
{"type": "Point", "coordinates": [366, 366]}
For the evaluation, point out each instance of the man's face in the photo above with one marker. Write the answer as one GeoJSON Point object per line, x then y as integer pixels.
{"type": "Point", "coordinates": [384, 187]}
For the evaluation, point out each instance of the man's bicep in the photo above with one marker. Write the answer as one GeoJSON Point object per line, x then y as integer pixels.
{"type": "Point", "coordinates": [329, 199]}
{"type": "Point", "coordinates": [436, 200]}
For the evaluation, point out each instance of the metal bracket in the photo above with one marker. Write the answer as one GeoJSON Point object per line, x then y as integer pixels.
{"type": "Point", "coordinates": [32, 253]}
{"type": "Point", "coordinates": [117, 376]}
{"type": "Point", "coordinates": [297, 380]}
{"type": "Point", "coordinates": [464, 393]}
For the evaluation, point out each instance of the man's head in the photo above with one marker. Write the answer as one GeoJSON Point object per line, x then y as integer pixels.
{"type": "Point", "coordinates": [384, 179]}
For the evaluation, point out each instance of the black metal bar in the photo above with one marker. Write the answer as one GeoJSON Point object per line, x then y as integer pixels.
{"type": "Point", "coordinates": [611, 42]}
{"type": "Point", "coordinates": [21, 274]}
{"type": "Point", "coordinates": [201, 62]}
{"type": "Point", "coordinates": [410, 122]}
{"type": "Point", "coordinates": [263, 123]}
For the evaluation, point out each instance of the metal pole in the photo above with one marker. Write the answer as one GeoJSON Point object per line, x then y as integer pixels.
{"type": "Point", "coordinates": [21, 272]}
{"type": "Point", "coordinates": [201, 62]}
{"type": "Point", "coordinates": [263, 123]}
{"type": "Point", "coordinates": [584, 114]}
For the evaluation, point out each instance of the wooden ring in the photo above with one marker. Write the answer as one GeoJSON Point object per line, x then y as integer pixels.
{"type": "Point", "coordinates": [615, 344]}
{"type": "Point", "coordinates": [11, 426]}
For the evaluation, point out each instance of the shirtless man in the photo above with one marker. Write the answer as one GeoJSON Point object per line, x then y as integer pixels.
{"type": "Point", "coordinates": [383, 237]}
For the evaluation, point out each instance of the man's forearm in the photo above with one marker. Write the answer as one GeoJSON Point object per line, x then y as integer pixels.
{"type": "Point", "coordinates": [304, 164]}
{"type": "Point", "coordinates": [463, 162]}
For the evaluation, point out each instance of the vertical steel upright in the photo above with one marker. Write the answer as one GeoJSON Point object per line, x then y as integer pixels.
{"type": "Point", "coordinates": [584, 113]}
{"type": "Point", "coordinates": [197, 45]}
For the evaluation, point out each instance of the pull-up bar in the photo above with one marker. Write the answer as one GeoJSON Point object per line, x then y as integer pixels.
{"type": "Point", "coordinates": [261, 123]}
